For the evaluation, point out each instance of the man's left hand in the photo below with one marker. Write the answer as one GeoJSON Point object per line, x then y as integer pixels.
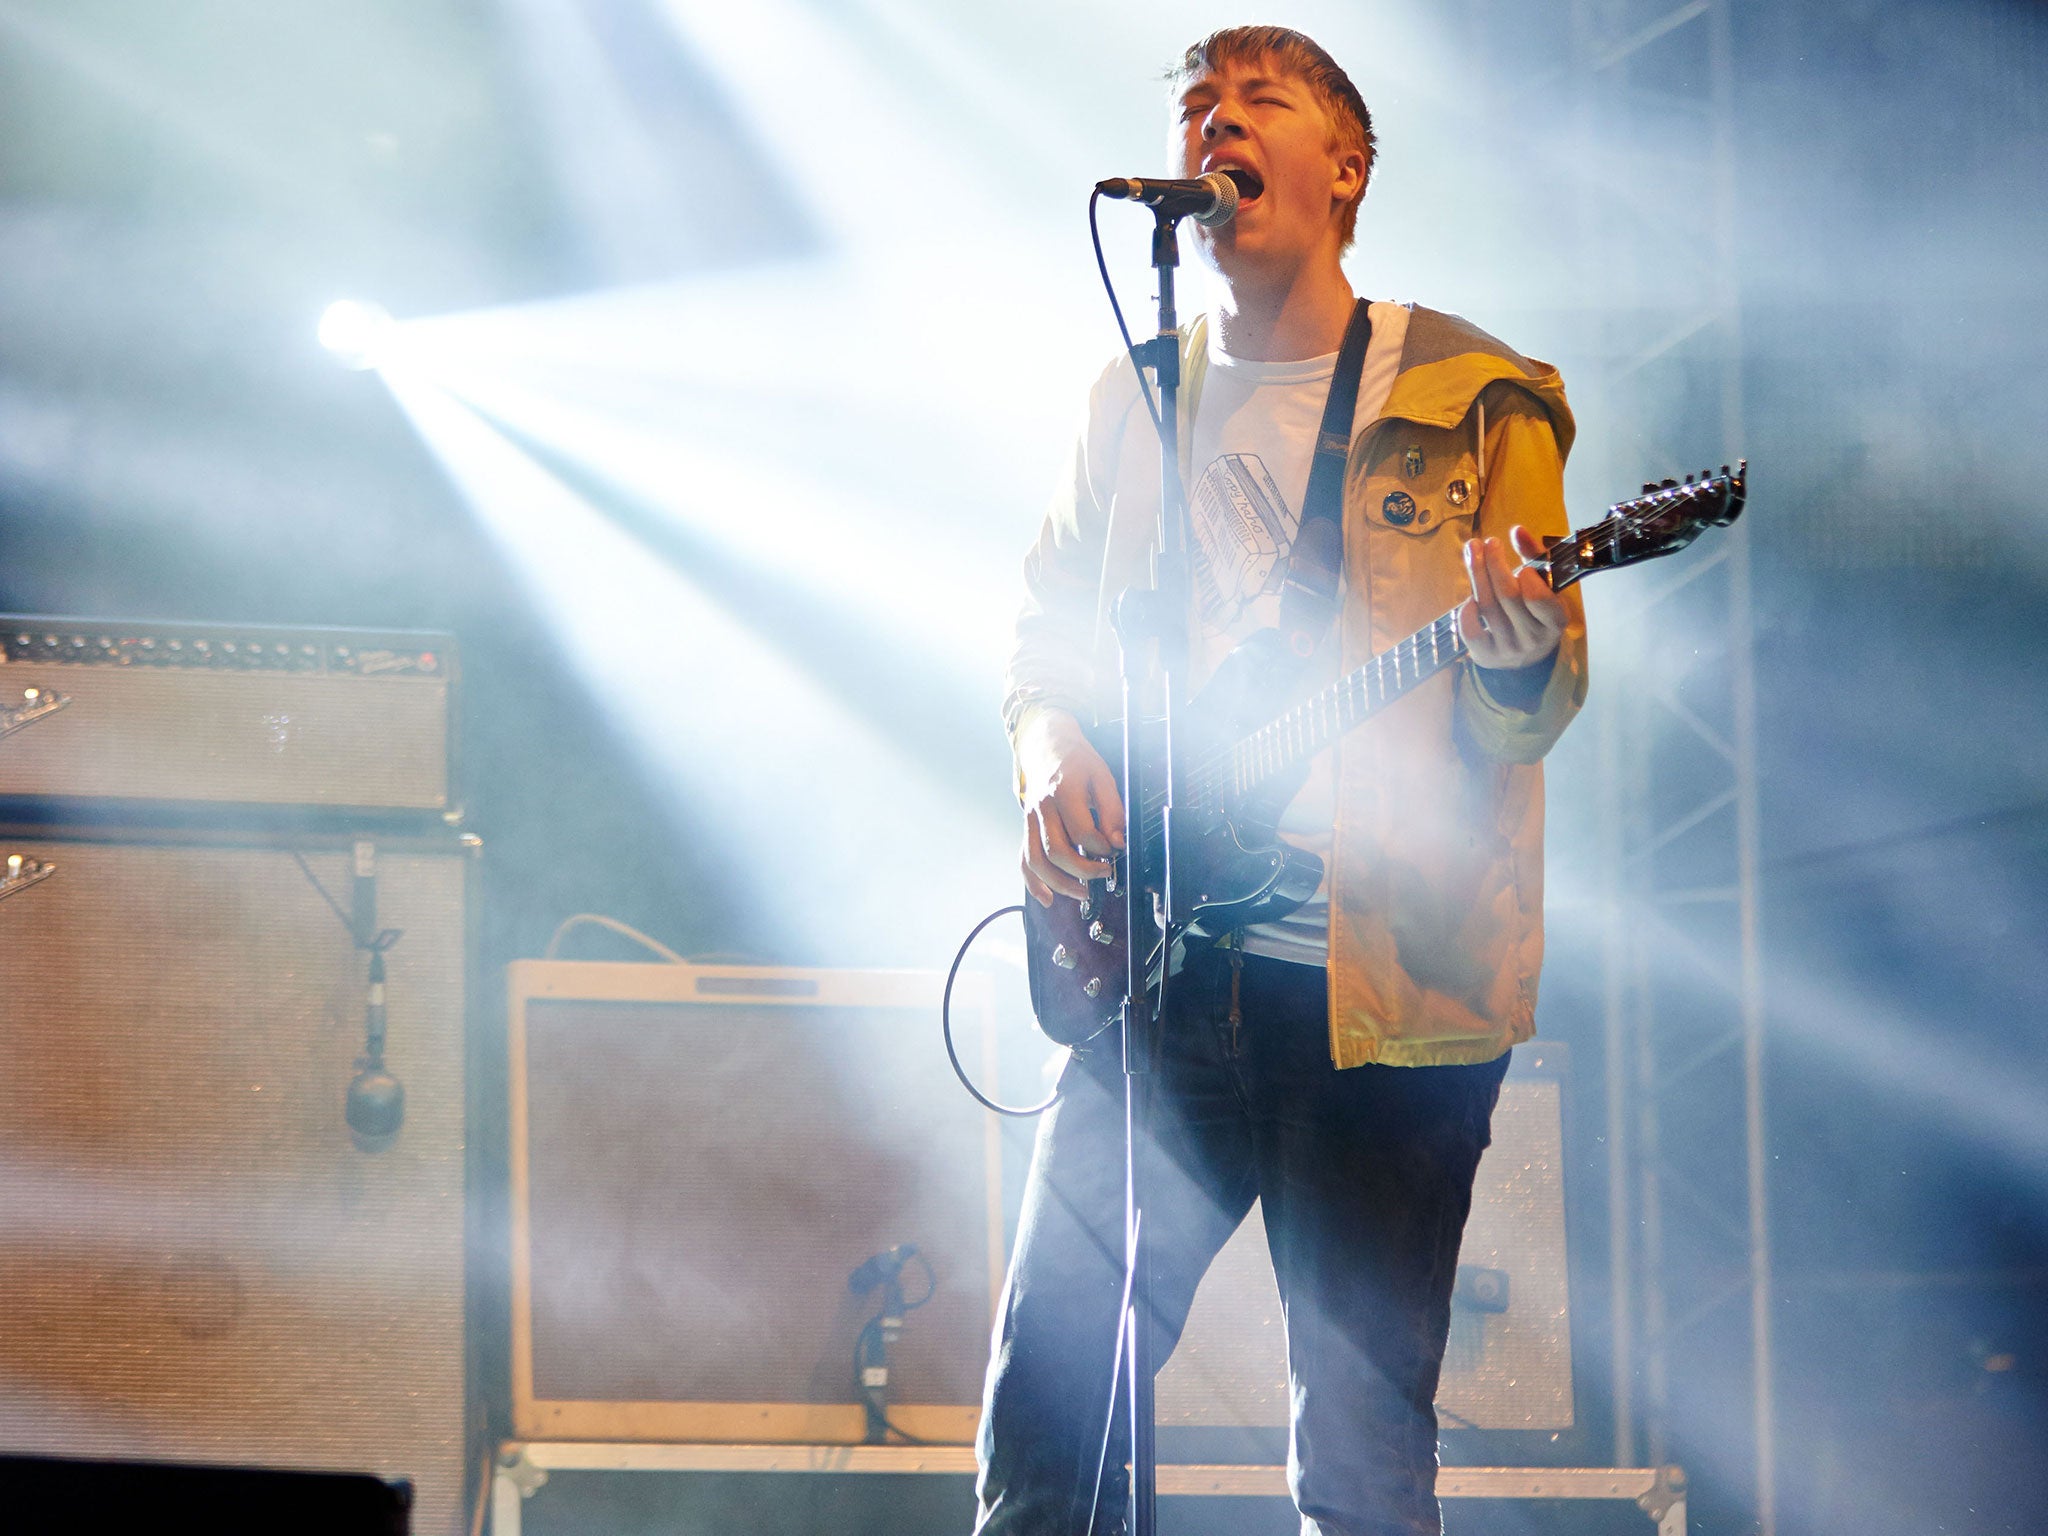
{"type": "Point", "coordinates": [1514, 620]}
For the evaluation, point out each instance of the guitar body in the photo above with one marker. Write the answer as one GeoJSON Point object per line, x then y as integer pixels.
{"type": "Point", "coordinates": [1229, 855]}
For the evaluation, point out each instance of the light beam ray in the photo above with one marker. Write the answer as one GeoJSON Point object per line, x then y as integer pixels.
{"type": "Point", "coordinates": [797, 796]}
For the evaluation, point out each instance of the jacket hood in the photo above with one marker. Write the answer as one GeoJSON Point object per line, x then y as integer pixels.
{"type": "Point", "coordinates": [1447, 361]}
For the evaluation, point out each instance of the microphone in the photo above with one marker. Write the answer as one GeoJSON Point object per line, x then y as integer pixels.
{"type": "Point", "coordinates": [882, 1269]}
{"type": "Point", "coordinates": [1210, 199]}
{"type": "Point", "coordinates": [375, 1103]}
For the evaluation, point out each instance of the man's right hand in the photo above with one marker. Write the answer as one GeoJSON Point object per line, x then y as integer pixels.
{"type": "Point", "coordinates": [1073, 816]}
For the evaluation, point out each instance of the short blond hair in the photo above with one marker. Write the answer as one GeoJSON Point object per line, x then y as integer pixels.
{"type": "Point", "coordinates": [1296, 54]}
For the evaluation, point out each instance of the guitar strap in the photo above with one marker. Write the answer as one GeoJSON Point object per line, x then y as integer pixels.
{"type": "Point", "coordinates": [1308, 597]}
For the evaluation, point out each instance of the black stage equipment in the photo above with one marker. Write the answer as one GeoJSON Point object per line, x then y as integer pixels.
{"type": "Point", "coordinates": [52, 1494]}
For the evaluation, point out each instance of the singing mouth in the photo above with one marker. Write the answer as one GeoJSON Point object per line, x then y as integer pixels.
{"type": "Point", "coordinates": [1249, 186]}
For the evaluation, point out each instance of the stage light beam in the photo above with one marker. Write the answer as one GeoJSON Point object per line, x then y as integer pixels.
{"type": "Point", "coordinates": [358, 332]}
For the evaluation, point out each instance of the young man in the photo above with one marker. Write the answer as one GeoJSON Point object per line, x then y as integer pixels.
{"type": "Point", "coordinates": [1341, 1066]}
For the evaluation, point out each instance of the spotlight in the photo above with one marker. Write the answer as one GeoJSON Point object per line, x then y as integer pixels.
{"type": "Point", "coordinates": [357, 332]}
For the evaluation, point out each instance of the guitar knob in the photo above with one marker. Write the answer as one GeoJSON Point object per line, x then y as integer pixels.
{"type": "Point", "coordinates": [1094, 987]}
{"type": "Point", "coordinates": [1099, 932]}
{"type": "Point", "coordinates": [1062, 957]}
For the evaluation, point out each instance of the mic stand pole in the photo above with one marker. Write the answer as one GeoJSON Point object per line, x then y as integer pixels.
{"type": "Point", "coordinates": [1152, 632]}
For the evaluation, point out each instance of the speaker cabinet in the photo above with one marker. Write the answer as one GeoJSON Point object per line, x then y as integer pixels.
{"type": "Point", "coordinates": [701, 1157]}
{"type": "Point", "coordinates": [196, 1262]}
{"type": "Point", "coordinates": [1509, 1368]}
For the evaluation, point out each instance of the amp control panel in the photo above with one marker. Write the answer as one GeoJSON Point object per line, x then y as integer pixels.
{"type": "Point", "coordinates": [214, 649]}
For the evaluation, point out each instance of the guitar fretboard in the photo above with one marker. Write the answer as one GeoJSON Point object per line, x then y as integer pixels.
{"type": "Point", "coordinates": [1661, 521]}
{"type": "Point", "coordinates": [1325, 715]}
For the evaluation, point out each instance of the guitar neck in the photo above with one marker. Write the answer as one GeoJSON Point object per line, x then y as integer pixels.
{"type": "Point", "coordinates": [1661, 521]}
{"type": "Point", "coordinates": [1323, 716]}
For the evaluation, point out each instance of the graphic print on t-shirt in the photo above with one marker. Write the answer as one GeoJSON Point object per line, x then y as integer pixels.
{"type": "Point", "coordinates": [1243, 526]}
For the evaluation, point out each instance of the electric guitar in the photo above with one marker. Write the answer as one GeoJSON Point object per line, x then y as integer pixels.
{"type": "Point", "coordinates": [1243, 767]}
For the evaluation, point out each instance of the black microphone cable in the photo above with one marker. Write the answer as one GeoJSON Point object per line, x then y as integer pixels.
{"type": "Point", "coordinates": [871, 1345]}
{"type": "Point", "coordinates": [1020, 1112]}
{"type": "Point", "coordinates": [1108, 287]}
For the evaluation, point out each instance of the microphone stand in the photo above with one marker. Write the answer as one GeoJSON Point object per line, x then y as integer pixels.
{"type": "Point", "coordinates": [1152, 634]}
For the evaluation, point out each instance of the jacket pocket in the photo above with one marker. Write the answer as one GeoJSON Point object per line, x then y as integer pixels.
{"type": "Point", "coordinates": [1421, 482]}
{"type": "Point", "coordinates": [1417, 500]}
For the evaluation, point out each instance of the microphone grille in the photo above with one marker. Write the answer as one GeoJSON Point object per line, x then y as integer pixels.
{"type": "Point", "coordinates": [1225, 208]}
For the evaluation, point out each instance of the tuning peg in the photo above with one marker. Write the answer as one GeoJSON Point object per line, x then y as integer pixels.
{"type": "Point", "coordinates": [1688, 479]}
{"type": "Point", "coordinates": [1649, 486]}
{"type": "Point", "coordinates": [1670, 485]}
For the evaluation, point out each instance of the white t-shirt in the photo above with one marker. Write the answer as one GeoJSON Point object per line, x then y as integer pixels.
{"type": "Point", "coordinates": [1254, 439]}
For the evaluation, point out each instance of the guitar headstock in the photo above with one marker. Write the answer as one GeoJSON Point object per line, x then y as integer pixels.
{"type": "Point", "coordinates": [1661, 521]}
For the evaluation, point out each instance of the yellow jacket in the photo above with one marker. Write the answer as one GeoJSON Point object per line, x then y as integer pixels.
{"type": "Point", "coordinates": [1436, 869]}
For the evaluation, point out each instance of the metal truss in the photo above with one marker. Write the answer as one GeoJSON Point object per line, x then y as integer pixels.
{"type": "Point", "coordinates": [1639, 96]}
{"type": "Point", "coordinates": [1690, 1243]}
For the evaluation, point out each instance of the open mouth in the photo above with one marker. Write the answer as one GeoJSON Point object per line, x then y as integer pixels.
{"type": "Point", "coordinates": [1249, 185]}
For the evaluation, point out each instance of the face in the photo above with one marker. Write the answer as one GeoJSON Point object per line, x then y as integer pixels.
{"type": "Point", "coordinates": [1253, 116]}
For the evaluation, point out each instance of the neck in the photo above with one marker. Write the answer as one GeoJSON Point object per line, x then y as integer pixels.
{"type": "Point", "coordinates": [1300, 317]}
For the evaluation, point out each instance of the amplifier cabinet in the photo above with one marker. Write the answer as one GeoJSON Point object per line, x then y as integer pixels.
{"type": "Point", "coordinates": [331, 719]}
{"type": "Point", "coordinates": [1508, 1369]}
{"type": "Point", "coordinates": [701, 1157]}
{"type": "Point", "coordinates": [196, 1262]}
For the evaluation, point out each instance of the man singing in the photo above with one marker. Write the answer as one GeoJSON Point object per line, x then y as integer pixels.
{"type": "Point", "coordinates": [1341, 1065]}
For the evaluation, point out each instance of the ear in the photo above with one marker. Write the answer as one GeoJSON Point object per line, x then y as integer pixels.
{"type": "Point", "coordinates": [1349, 177]}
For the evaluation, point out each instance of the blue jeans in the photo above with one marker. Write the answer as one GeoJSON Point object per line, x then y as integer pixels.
{"type": "Point", "coordinates": [1366, 1179]}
